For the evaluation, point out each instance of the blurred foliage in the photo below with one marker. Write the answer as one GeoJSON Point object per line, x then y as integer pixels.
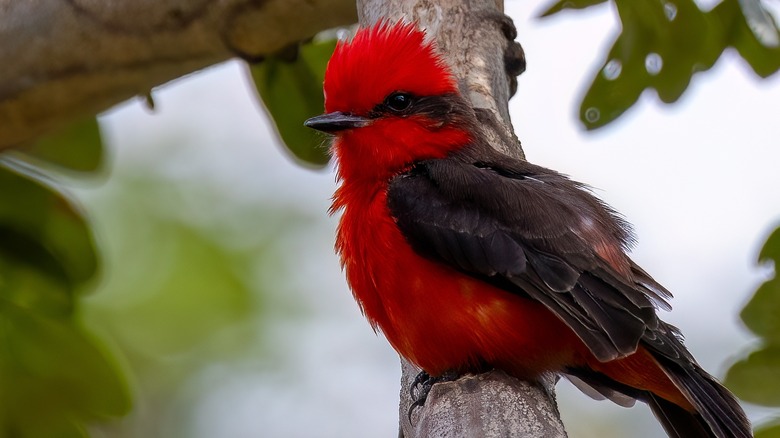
{"type": "Point", "coordinates": [290, 86]}
{"type": "Point", "coordinates": [181, 296]}
{"type": "Point", "coordinates": [77, 147]}
{"type": "Point", "coordinates": [769, 431]}
{"type": "Point", "coordinates": [663, 43]}
{"type": "Point", "coordinates": [756, 378]}
{"type": "Point", "coordinates": [55, 376]}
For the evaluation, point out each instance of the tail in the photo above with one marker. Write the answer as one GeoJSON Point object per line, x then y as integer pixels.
{"type": "Point", "coordinates": [679, 422]}
{"type": "Point", "coordinates": [717, 411]}
{"type": "Point", "coordinates": [687, 401]}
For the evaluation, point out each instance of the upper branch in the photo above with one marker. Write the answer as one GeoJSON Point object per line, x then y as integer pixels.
{"type": "Point", "coordinates": [64, 59]}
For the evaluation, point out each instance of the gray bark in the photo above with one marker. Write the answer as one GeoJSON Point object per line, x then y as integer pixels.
{"type": "Point", "coordinates": [64, 59]}
{"type": "Point", "coordinates": [469, 35]}
{"type": "Point", "coordinates": [489, 405]}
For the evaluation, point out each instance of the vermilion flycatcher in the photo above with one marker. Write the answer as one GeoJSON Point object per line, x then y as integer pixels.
{"type": "Point", "coordinates": [467, 259]}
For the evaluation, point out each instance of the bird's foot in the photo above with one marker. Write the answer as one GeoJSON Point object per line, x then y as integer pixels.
{"type": "Point", "coordinates": [422, 385]}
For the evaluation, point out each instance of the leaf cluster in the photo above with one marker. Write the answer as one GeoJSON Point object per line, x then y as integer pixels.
{"type": "Point", "coordinates": [55, 376]}
{"type": "Point", "coordinates": [756, 378]}
{"type": "Point", "coordinates": [290, 87]}
{"type": "Point", "coordinates": [662, 44]}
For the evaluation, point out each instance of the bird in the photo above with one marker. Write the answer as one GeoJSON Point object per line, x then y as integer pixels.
{"type": "Point", "coordinates": [467, 260]}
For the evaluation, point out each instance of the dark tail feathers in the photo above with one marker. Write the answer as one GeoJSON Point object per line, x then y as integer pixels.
{"type": "Point", "coordinates": [678, 422]}
{"type": "Point", "coordinates": [718, 413]}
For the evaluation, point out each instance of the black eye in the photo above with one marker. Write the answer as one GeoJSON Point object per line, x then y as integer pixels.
{"type": "Point", "coordinates": [398, 101]}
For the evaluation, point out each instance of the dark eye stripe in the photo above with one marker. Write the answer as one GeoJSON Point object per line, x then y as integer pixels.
{"type": "Point", "coordinates": [443, 108]}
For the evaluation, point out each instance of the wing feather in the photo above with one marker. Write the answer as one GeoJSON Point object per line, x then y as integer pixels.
{"type": "Point", "coordinates": [538, 233]}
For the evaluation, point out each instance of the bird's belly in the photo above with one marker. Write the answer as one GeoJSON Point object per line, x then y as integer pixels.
{"type": "Point", "coordinates": [444, 320]}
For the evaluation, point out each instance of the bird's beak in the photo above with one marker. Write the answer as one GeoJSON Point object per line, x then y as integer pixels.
{"type": "Point", "coordinates": [336, 121]}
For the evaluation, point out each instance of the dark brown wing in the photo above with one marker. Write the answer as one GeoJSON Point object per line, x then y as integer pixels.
{"type": "Point", "coordinates": [532, 232]}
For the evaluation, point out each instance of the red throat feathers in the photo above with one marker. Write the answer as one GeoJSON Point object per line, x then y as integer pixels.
{"type": "Point", "coordinates": [466, 259]}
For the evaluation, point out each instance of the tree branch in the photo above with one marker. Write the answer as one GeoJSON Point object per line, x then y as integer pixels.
{"type": "Point", "coordinates": [475, 37]}
{"type": "Point", "coordinates": [65, 59]}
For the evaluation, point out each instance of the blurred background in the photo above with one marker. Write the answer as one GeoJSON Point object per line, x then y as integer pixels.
{"type": "Point", "coordinates": [221, 297]}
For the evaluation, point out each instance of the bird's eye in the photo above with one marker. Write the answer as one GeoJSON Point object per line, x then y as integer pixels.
{"type": "Point", "coordinates": [399, 101]}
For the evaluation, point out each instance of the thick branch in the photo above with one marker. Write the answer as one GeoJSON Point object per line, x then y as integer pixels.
{"type": "Point", "coordinates": [64, 59]}
{"type": "Point", "coordinates": [474, 37]}
{"type": "Point", "coordinates": [488, 405]}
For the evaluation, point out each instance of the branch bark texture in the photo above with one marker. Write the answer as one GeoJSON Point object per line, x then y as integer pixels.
{"type": "Point", "coordinates": [64, 59]}
{"type": "Point", "coordinates": [473, 37]}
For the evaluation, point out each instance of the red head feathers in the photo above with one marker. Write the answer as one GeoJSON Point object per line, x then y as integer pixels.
{"type": "Point", "coordinates": [391, 100]}
{"type": "Point", "coordinates": [382, 59]}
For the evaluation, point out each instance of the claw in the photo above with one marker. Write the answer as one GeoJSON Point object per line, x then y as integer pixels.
{"type": "Point", "coordinates": [425, 382]}
{"type": "Point", "coordinates": [420, 379]}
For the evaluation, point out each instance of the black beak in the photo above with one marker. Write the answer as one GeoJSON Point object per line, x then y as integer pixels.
{"type": "Point", "coordinates": [336, 121]}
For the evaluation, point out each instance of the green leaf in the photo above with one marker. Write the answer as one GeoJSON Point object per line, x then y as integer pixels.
{"type": "Point", "coordinates": [192, 295]}
{"type": "Point", "coordinates": [292, 93]}
{"type": "Point", "coordinates": [53, 375]}
{"type": "Point", "coordinates": [76, 147]}
{"type": "Point", "coordinates": [664, 43]}
{"type": "Point", "coordinates": [770, 430]}
{"type": "Point", "coordinates": [760, 22]}
{"type": "Point", "coordinates": [761, 313]}
{"type": "Point", "coordinates": [56, 367]}
{"type": "Point", "coordinates": [51, 428]}
{"type": "Point", "coordinates": [661, 46]}
{"type": "Point", "coordinates": [30, 277]}
{"type": "Point", "coordinates": [569, 4]}
{"type": "Point", "coordinates": [771, 249]}
{"type": "Point", "coordinates": [756, 379]}
{"type": "Point", "coordinates": [763, 59]}
{"type": "Point", "coordinates": [60, 242]}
